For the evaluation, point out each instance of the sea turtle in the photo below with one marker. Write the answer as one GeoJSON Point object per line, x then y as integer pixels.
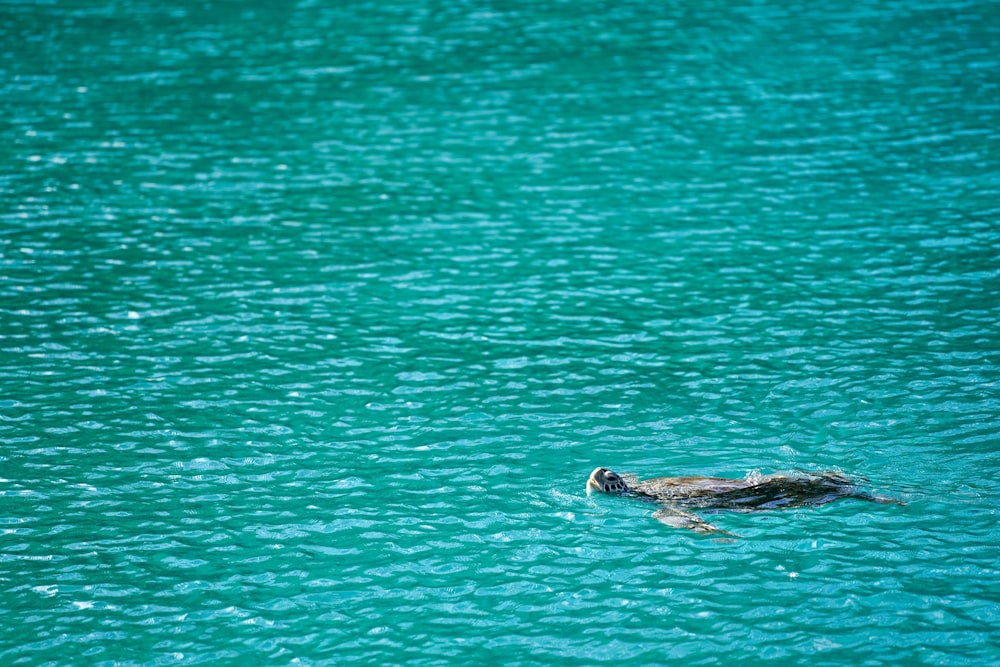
{"type": "Point", "coordinates": [677, 496]}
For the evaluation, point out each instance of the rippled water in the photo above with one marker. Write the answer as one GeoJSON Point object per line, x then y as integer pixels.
{"type": "Point", "coordinates": [314, 319]}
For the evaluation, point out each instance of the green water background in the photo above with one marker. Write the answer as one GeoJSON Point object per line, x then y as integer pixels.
{"type": "Point", "coordinates": [315, 317]}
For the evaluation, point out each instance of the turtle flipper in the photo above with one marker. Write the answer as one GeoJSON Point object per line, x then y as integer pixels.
{"type": "Point", "coordinates": [678, 518]}
{"type": "Point", "coordinates": [872, 498]}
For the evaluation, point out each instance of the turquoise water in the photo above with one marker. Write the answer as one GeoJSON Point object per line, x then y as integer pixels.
{"type": "Point", "coordinates": [315, 317]}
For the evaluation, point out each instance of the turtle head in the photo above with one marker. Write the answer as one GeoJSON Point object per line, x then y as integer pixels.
{"type": "Point", "coordinates": [606, 481]}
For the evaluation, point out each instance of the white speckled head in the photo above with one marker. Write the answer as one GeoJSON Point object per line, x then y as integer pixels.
{"type": "Point", "coordinates": [605, 481]}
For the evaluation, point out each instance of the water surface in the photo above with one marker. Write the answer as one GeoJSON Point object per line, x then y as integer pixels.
{"type": "Point", "coordinates": [315, 317]}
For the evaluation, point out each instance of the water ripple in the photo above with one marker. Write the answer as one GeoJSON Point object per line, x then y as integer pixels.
{"type": "Point", "coordinates": [313, 320]}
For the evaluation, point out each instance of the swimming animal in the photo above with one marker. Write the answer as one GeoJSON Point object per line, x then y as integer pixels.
{"type": "Point", "coordinates": [677, 496]}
